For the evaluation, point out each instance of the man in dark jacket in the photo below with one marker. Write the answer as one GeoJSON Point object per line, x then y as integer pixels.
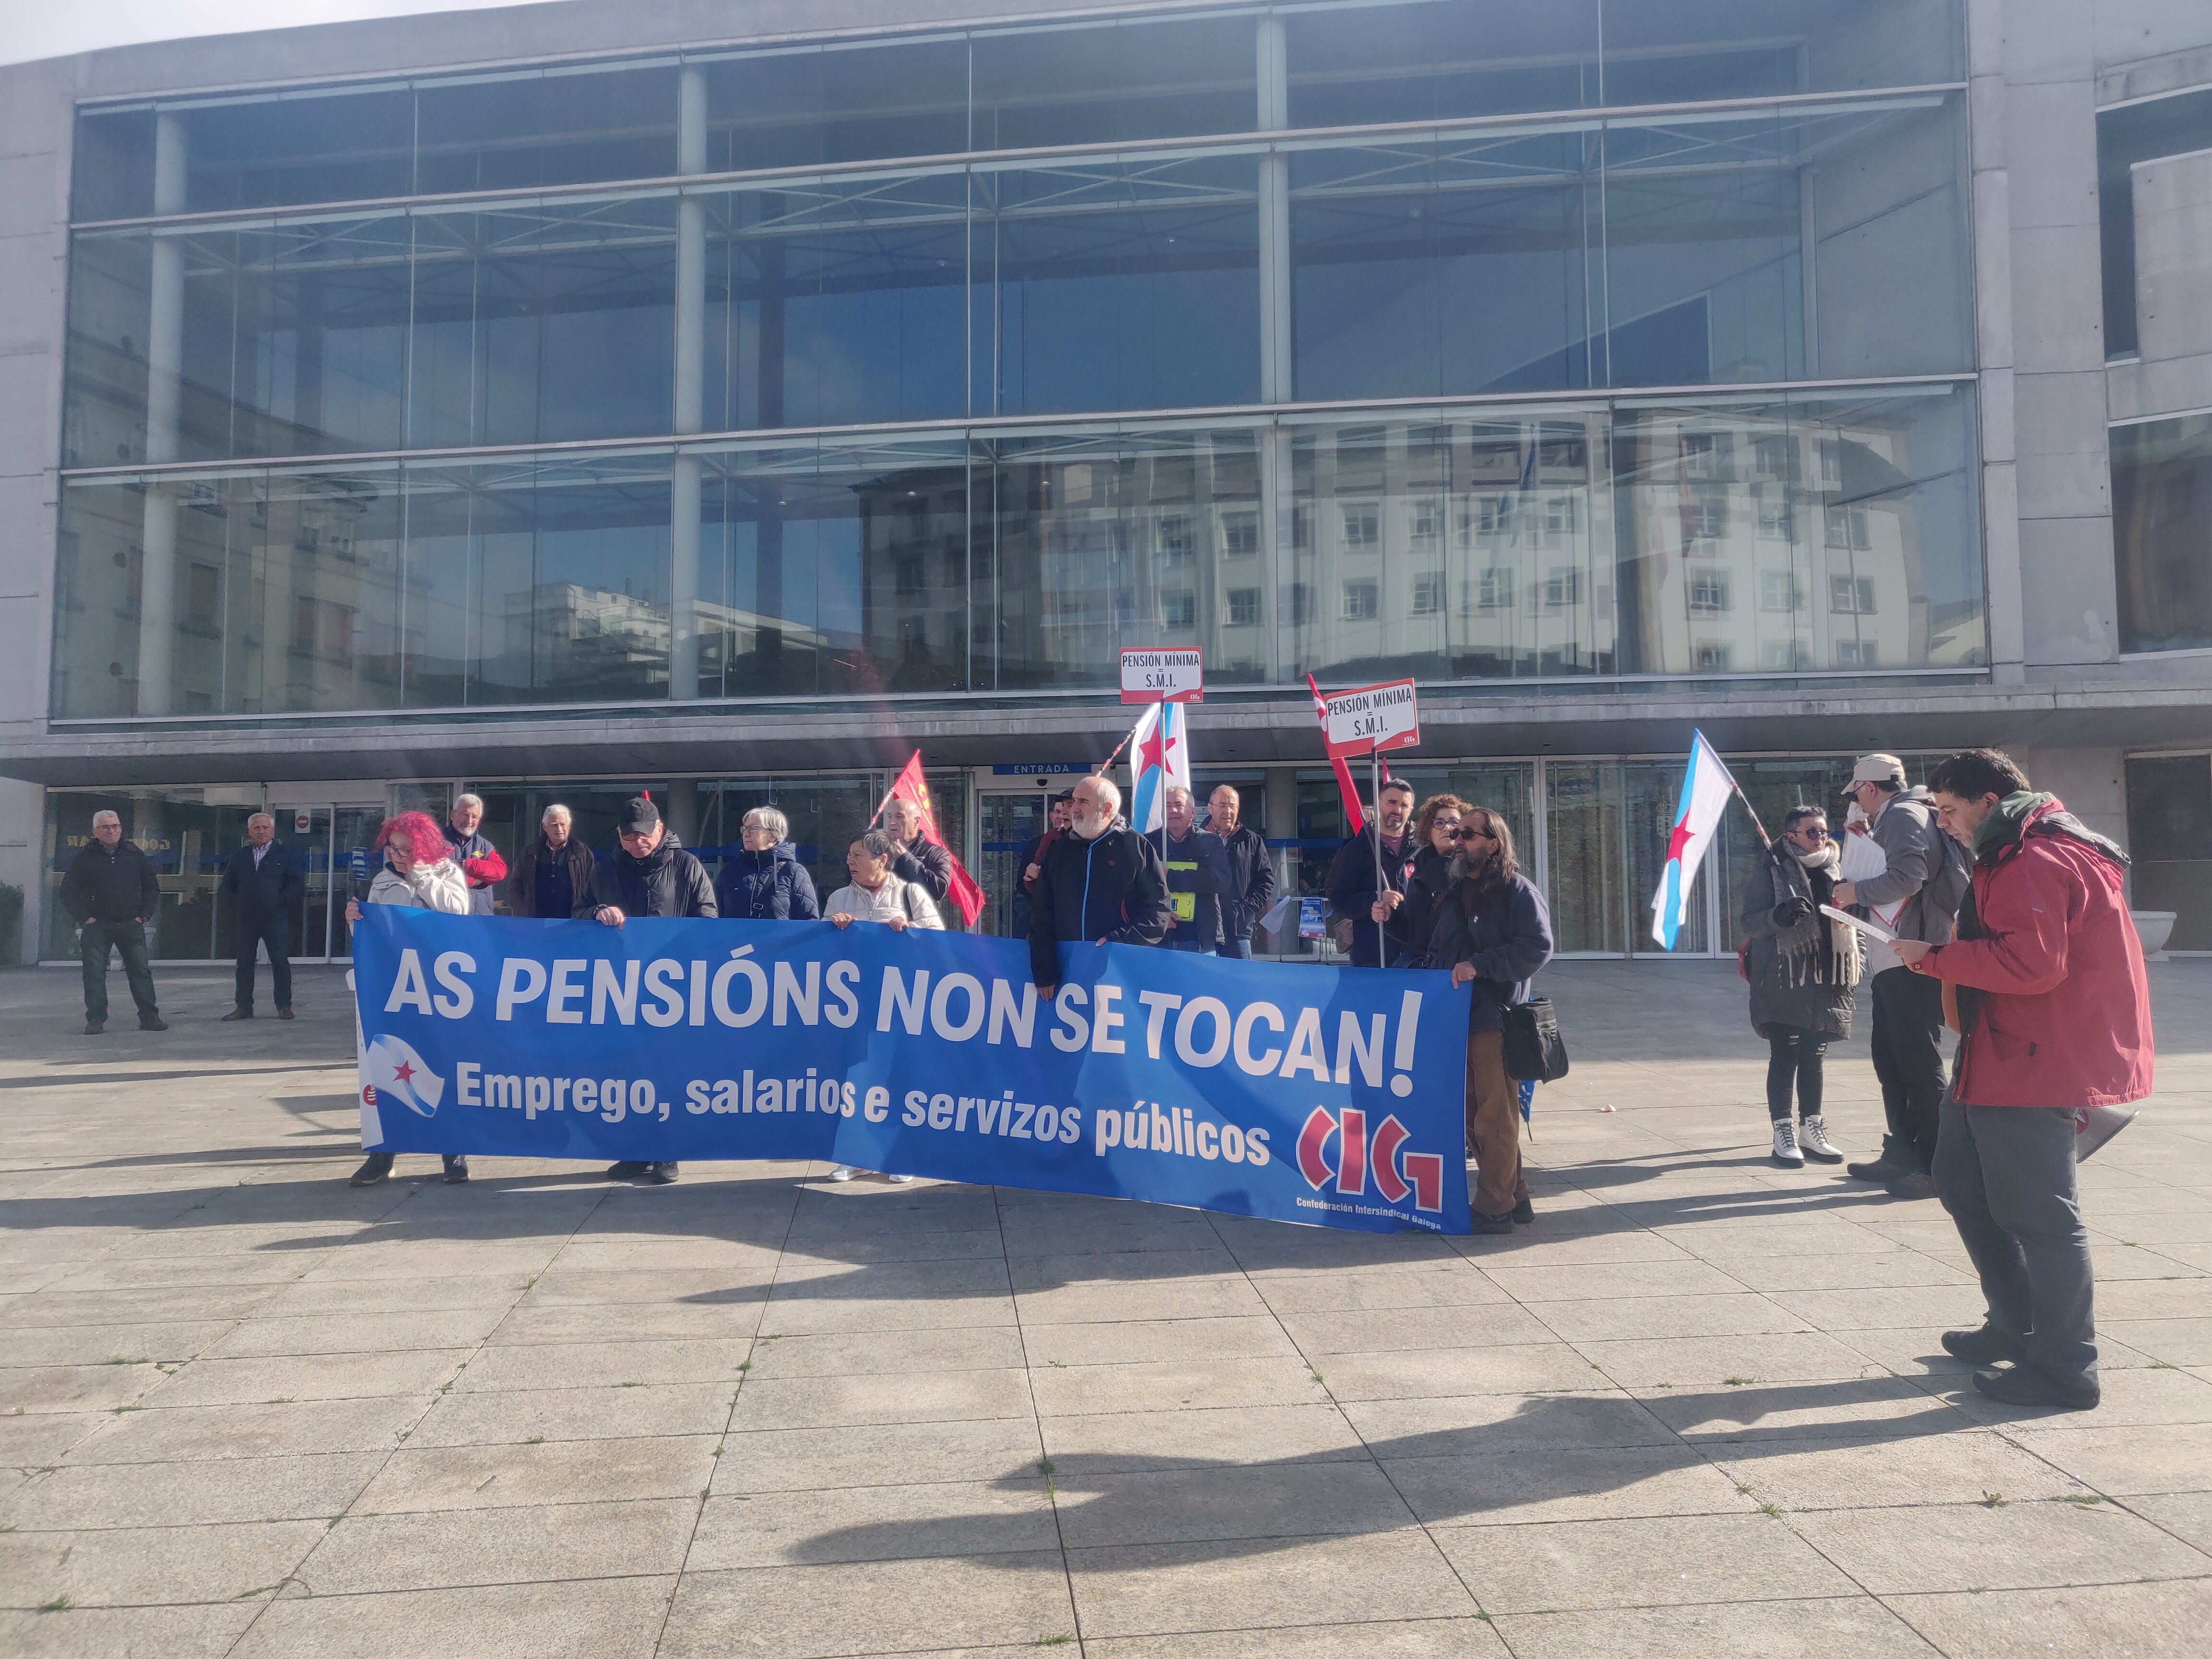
{"type": "Point", "coordinates": [1352, 888]}
{"type": "Point", "coordinates": [764, 881]}
{"type": "Point", "coordinates": [919, 858]}
{"type": "Point", "coordinates": [1100, 885]}
{"type": "Point", "coordinates": [2054, 1013]}
{"type": "Point", "coordinates": [1924, 882]}
{"type": "Point", "coordinates": [479, 860]}
{"type": "Point", "coordinates": [553, 874]}
{"type": "Point", "coordinates": [651, 875]}
{"type": "Point", "coordinates": [1251, 884]}
{"type": "Point", "coordinates": [111, 893]}
{"type": "Point", "coordinates": [1197, 871]}
{"type": "Point", "coordinates": [261, 883]}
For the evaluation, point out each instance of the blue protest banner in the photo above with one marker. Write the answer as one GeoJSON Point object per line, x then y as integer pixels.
{"type": "Point", "coordinates": [1322, 1095]}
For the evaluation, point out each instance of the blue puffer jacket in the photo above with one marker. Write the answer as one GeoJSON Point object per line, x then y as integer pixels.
{"type": "Point", "coordinates": [770, 886]}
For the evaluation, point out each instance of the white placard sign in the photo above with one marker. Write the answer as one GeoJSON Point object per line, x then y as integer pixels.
{"type": "Point", "coordinates": [1371, 717]}
{"type": "Point", "coordinates": [1168, 674]}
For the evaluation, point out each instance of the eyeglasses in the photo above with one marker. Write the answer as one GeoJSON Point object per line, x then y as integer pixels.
{"type": "Point", "coordinates": [1474, 834]}
{"type": "Point", "coordinates": [1818, 833]}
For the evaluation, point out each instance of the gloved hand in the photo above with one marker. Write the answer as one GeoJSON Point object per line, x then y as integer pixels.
{"type": "Point", "coordinates": [1791, 911]}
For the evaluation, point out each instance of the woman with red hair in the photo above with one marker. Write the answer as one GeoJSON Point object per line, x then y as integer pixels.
{"type": "Point", "coordinates": [417, 873]}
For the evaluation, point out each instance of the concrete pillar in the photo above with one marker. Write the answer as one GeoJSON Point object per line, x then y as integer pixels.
{"type": "Point", "coordinates": [687, 416]}
{"type": "Point", "coordinates": [1276, 511]}
{"type": "Point", "coordinates": [683, 809]}
{"type": "Point", "coordinates": [165, 353]}
{"type": "Point", "coordinates": [1281, 819]}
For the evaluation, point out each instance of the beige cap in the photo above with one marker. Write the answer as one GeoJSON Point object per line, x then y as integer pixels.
{"type": "Point", "coordinates": [1885, 769]}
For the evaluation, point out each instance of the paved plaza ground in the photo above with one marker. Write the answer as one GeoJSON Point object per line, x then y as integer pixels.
{"type": "Point", "coordinates": [1698, 1408]}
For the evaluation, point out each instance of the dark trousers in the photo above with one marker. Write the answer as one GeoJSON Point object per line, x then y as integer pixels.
{"type": "Point", "coordinates": [1237, 950]}
{"type": "Point", "coordinates": [1794, 1057]}
{"type": "Point", "coordinates": [128, 939]}
{"type": "Point", "coordinates": [2005, 1174]}
{"type": "Point", "coordinates": [275, 932]}
{"type": "Point", "coordinates": [1908, 1062]}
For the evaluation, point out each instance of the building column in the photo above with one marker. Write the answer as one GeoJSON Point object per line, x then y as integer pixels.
{"type": "Point", "coordinates": [687, 416]}
{"type": "Point", "coordinates": [164, 354]}
{"type": "Point", "coordinates": [1277, 516]}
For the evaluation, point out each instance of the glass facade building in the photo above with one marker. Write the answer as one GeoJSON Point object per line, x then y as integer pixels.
{"type": "Point", "coordinates": [1571, 349]}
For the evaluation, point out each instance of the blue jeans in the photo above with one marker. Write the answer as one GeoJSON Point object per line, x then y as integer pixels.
{"type": "Point", "coordinates": [128, 939]}
{"type": "Point", "coordinates": [1237, 950]}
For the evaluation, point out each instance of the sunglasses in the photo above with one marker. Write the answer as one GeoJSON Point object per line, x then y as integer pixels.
{"type": "Point", "coordinates": [1812, 834]}
{"type": "Point", "coordinates": [1474, 834]}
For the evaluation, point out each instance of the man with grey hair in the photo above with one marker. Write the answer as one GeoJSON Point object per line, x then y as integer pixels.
{"type": "Point", "coordinates": [111, 893]}
{"type": "Point", "coordinates": [763, 879]}
{"type": "Point", "coordinates": [479, 860]}
{"type": "Point", "coordinates": [262, 882]}
{"type": "Point", "coordinates": [553, 874]}
{"type": "Point", "coordinates": [1197, 872]}
{"type": "Point", "coordinates": [1100, 885]}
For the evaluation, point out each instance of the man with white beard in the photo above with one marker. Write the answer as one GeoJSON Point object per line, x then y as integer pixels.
{"type": "Point", "coordinates": [1100, 885]}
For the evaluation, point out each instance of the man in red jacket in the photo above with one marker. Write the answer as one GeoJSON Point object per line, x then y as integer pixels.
{"type": "Point", "coordinates": [2054, 1014]}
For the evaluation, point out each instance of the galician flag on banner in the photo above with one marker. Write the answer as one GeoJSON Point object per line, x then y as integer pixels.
{"type": "Point", "coordinates": [1159, 755]}
{"type": "Point", "coordinates": [1706, 788]}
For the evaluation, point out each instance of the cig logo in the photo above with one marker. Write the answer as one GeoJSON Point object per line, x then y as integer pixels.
{"type": "Point", "coordinates": [1339, 1150]}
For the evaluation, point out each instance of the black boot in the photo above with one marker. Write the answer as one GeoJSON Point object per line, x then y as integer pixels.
{"type": "Point", "coordinates": [457, 1168]}
{"type": "Point", "coordinates": [374, 1168]}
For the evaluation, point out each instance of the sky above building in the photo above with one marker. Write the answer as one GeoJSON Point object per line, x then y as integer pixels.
{"type": "Point", "coordinates": [35, 30]}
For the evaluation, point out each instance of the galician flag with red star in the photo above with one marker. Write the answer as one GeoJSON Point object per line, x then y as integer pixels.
{"type": "Point", "coordinates": [1706, 788]}
{"type": "Point", "coordinates": [1159, 755]}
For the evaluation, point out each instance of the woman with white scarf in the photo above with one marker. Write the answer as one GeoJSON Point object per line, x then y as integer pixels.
{"type": "Point", "coordinates": [1802, 968]}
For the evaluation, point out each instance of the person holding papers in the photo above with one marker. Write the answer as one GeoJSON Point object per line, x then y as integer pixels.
{"type": "Point", "coordinates": [1804, 966]}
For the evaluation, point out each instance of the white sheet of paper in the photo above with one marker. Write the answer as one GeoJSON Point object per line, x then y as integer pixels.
{"type": "Point", "coordinates": [1872, 930]}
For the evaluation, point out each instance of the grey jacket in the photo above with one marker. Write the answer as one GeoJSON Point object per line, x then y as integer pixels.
{"type": "Point", "coordinates": [1921, 869]}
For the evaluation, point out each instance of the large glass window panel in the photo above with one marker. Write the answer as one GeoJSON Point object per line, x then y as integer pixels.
{"type": "Point", "coordinates": [1477, 548]}
{"type": "Point", "coordinates": [829, 568]}
{"type": "Point", "coordinates": [1112, 284]}
{"type": "Point", "coordinates": [833, 303]}
{"type": "Point", "coordinates": [1651, 790]}
{"type": "Point", "coordinates": [537, 582]}
{"type": "Point", "coordinates": [1771, 537]}
{"type": "Point", "coordinates": [2162, 532]}
{"type": "Point", "coordinates": [1669, 51]}
{"type": "Point", "coordinates": [1360, 65]}
{"type": "Point", "coordinates": [103, 403]}
{"type": "Point", "coordinates": [1587, 900]}
{"type": "Point", "coordinates": [1441, 266]}
{"type": "Point", "coordinates": [812, 105]}
{"type": "Point", "coordinates": [2171, 126]}
{"type": "Point", "coordinates": [1704, 234]}
{"type": "Point", "coordinates": [1103, 542]}
{"type": "Point", "coordinates": [544, 322]}
{"type": "Point", "coordinates": [112, 164]}
{"type": "Point", "coordinates": [336, 144]}
{"type": "Point", "coordinates": [99, 577]}
{"type": "Point", "coordinates": [1098, 83]}
{"type": "Point", "coordinates": [554, 126]}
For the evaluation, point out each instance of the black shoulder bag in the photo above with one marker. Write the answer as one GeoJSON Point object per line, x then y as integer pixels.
{"type": "Point", "coordinates": [1533, 1051]}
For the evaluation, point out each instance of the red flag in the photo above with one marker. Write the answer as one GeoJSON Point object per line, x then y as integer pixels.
{"type": "Point", "coordinates": [1355, 819]}
{"type": "Point", "coordinates": [911, 787]}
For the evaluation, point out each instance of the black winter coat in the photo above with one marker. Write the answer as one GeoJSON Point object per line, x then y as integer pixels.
{"type": "Point", "coordinates": [1775, 1003]}
{"type": "Point", "coordinates": [116, 886]}
{"type": "Point", "coordinates": [522, 885]}
{"type": "Point", "coordinates": [266, 893]}
{"type": "Point", "coordinates": [1507, 939]}
{"type": "Point", "coordinates": [1205, 881]}
{"type": "Point", "coordinates": [1251, 885]}
{"type": "Point", "coordinates": [1112, 889]}
{"type": "Point", "coordinates": [667, 881]}
{"type": "Point", "coordinates": [927, 863]}
{"type": "Point", "coordinates": [770, 886]}
{"type": "Point", "coordinates": [1352, 887]}
{"type": "Point", "coordinates": [1411, 923]}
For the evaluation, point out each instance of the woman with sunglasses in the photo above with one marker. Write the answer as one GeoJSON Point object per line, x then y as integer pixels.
{"type": "Point", "coordinates": [1493, 931]}
{"type": "Point", "coordinates": [1802, 968]}
{"type": "Point", "coordinates": [1436, 838]}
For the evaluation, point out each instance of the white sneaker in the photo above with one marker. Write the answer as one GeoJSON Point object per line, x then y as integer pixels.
{"type": "Point", "coordinates": [842, 1172]}
{"type": "Point", "coordinates": [899, 1180]}
{"type": "Point", "coordinates": [1813, 1140]}
{"type": "Point", "coordinates": [1785, 1144]}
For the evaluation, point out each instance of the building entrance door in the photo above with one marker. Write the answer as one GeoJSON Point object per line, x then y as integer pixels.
{"type": "Point", "coordinates": [323, 838]}
{"type": "Point", "coordinates": [1010, 807]}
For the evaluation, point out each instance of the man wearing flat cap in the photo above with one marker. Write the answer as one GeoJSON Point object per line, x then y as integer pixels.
{"type": "Point", "coordinates": [1916, 898]}
{"type": "Point", "coordinates": [649, 874]}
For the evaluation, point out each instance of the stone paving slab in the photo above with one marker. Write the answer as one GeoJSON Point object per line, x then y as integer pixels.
{"type": "Point", "coordinates": [1697, 1409]}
